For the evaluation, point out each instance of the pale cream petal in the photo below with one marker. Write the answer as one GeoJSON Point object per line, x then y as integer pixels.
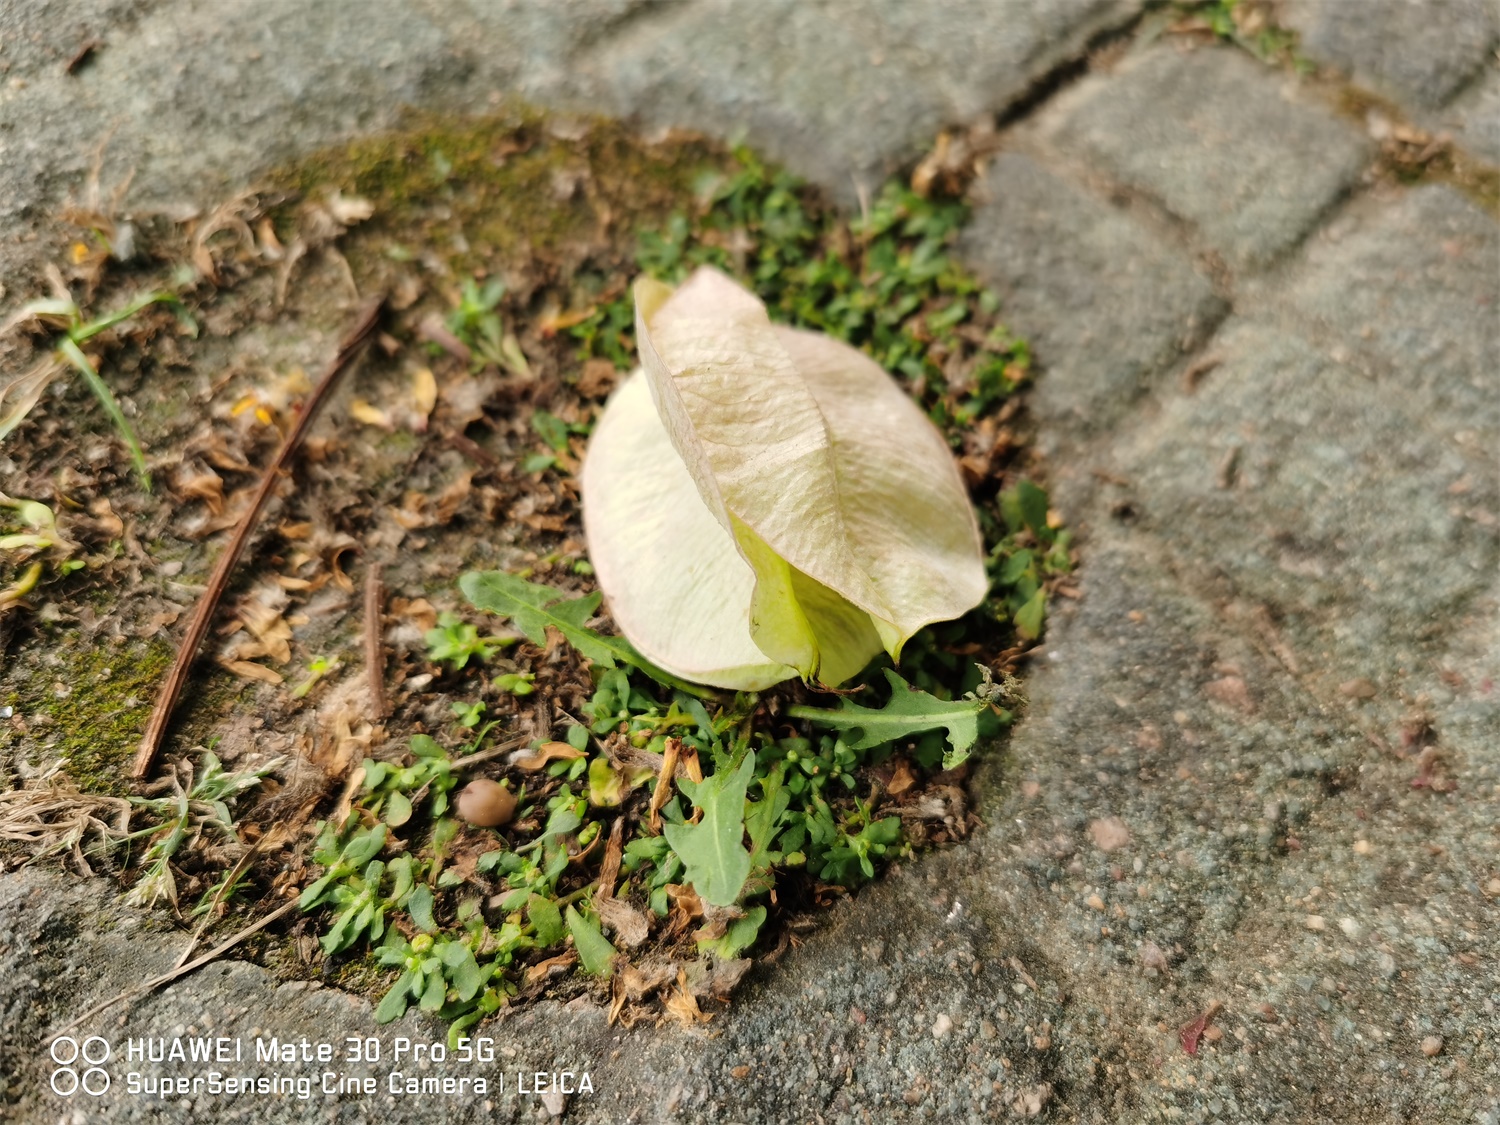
{"type": "Point", "coordinates": [676, 585]}
{"type": "Point", "coordinates": [819, 464]}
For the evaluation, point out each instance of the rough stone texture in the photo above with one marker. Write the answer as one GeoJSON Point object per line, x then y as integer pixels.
{"type": "Point", "coordinates": [1107, 303]}
{"type": "Point", "coordinates": [1474, 119]}
{"type": "Point", "coordinates": [1294, 773]}
{"type": "Point", "coordinates": [1321, 495]}
{"type": "Point", "coordinates": [1220, 141]}
{"type": "Point", "coordinates": [843, 99]}
{"type": "Point", "coordinates": [41, 37]}
{"type": "Point", "coordinates": [1406, 292]}
{"type": "Point", "coordinates": [196, 97]}
{"type": "Point", "coordinates": [1418, 53]}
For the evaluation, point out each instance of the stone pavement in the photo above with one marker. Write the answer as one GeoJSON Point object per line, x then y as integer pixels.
{"type": "Point", "coordinates": [1262, 765]}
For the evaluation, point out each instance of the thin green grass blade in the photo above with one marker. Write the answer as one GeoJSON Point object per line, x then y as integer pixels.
{"type": "Point", "coordinates": [74, 355]}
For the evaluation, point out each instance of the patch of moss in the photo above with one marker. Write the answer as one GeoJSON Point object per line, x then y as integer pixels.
{"type": "Point", "coordinates": [478, 188]}
{"type": "Point", "coordinates": [97, 703]}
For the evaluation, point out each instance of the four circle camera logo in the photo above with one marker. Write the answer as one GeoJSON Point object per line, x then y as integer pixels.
{"type": "Point", "coordinates": [72, 1057]}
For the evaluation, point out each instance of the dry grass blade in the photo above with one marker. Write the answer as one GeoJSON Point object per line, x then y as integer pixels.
{"type": "Point", "coordinates": [60, 818]}
{"type": "Point", "coordinates": [24, 391]}
{"type": "Point", "coordinates": [213, 907]}
{"type": "Point", "coordinates": [349, 348]}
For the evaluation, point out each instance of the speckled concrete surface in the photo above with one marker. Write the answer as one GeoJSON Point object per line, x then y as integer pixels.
{"type": "Point", "coordinates": [1269, 390]}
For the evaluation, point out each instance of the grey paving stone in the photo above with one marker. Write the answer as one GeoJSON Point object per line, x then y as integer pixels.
{"type": "Point", "coordinates": [1322, 494]}
{"type": "Point", "coordinates": [1254, 799]}
{"type": "Point", "coordinates": [1474, 118]}
{"type": "Point", "coordinates": [1107, 303]}
{"type": "Point", "coordinates": [842, 92]}
{"type": "Point", "coordinates": [40, 37]}
{"type": "Point", "coordinates": [1409, 292]}
{"type": "Point", "coordinates": [1220, 141]}
{"type": "Point", "coordinates": [1420, 54]}
{"type": "Point", "coordinates": [199, 98]}
{"type": "Point", "coordinates": [248, 86]}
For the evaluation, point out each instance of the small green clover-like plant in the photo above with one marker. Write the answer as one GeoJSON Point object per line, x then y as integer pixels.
{"type": "Point", "coordinates": [478, 326]}
{"type": "Point", "coordinates": [29, 528]}
{"type": "Point", "coordinates": [341, 854]}
{"type": "Point", "coordinates": [467, 715]}
{"type": "Point", "coordinates": [455, 642]}
{"type": "Point", "coordinates": [363, 902]}
{"type": "Point", "coordinates": [871, 840]}
{"type": "Point", "coordinates": [1020, 563]}
{"type": "Point", "coordinates": [554, 431]}
{"type": "Point", "coordinates": [595, 953]}
{"type": "Point", "coordinates": [317, 668]}
{"type": "Point", "coordinates": [435, 972]}
{"type": "Point", "coordinates": [389, 787]}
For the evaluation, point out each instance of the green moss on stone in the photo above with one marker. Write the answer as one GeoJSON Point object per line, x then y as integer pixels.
{"type": "Point", "coordinates": [96, 703]}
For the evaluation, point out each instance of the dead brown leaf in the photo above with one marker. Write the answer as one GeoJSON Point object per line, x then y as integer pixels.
{"type": "Point", "coordinates": [716, 920]}
{"type": "Point", "coordinates": [211, 445]}
{"type": "Point", "coordinates": [663, 790]}
{"type": "Point", "coordinates": [249, 671]}
{"type": "Point", "coordinates": [641, 981]}
{"type": "Point", "coordinates": [902, 778]}
{"type": "Point", "coordinates": [631, 927]}
{"type": "Point", "coordinates": [551, 967]}
{"type": "Point", "coordinates": [714, 979]}
{"type": "Point", "coordinates": [423, 397]}
{"type": "Point", "coordinates": [533, 760]}
{"type": "Point", "coordinates": [598, 378]}
{"type": "Point", "coordinates": [452, 498]}
{"type": "Point", "coordinates": [682, 1005]}
{"type": "Point", "coordinates": [191, 480]}
{"type": "Point", "coordinates": [261, 616]}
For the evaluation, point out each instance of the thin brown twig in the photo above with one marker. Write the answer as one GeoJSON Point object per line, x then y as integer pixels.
{"type": "Point", "coordinates": [166, 702]}
{"type": "Point", "coordinates": [182, 970]}
{"type": "Point", "coordinates": [486, 755]}
{"type": "Point", "coordinates": [224, 888]}
{"type": "Point", "coordinates": [374, 638]}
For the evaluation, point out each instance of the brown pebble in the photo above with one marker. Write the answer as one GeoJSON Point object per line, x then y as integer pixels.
{"type": "Point", "coordinates": [741, 1072]}
{"type": "Point", "coordinates": [1109, 833]}
{"type": "Point", "coordinates": [1432, 1045]}
{"type": "Point", "coordinates": [486, 804]}
{"type": "Point", "coordinates": [1212, 1033]}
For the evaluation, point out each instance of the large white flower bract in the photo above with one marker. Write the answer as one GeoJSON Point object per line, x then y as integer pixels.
{"type": "Point", "coordinates": [762, 502]}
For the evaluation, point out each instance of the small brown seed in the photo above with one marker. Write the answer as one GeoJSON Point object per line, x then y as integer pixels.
{"type": "Point", "coordinates": [486, 804]}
